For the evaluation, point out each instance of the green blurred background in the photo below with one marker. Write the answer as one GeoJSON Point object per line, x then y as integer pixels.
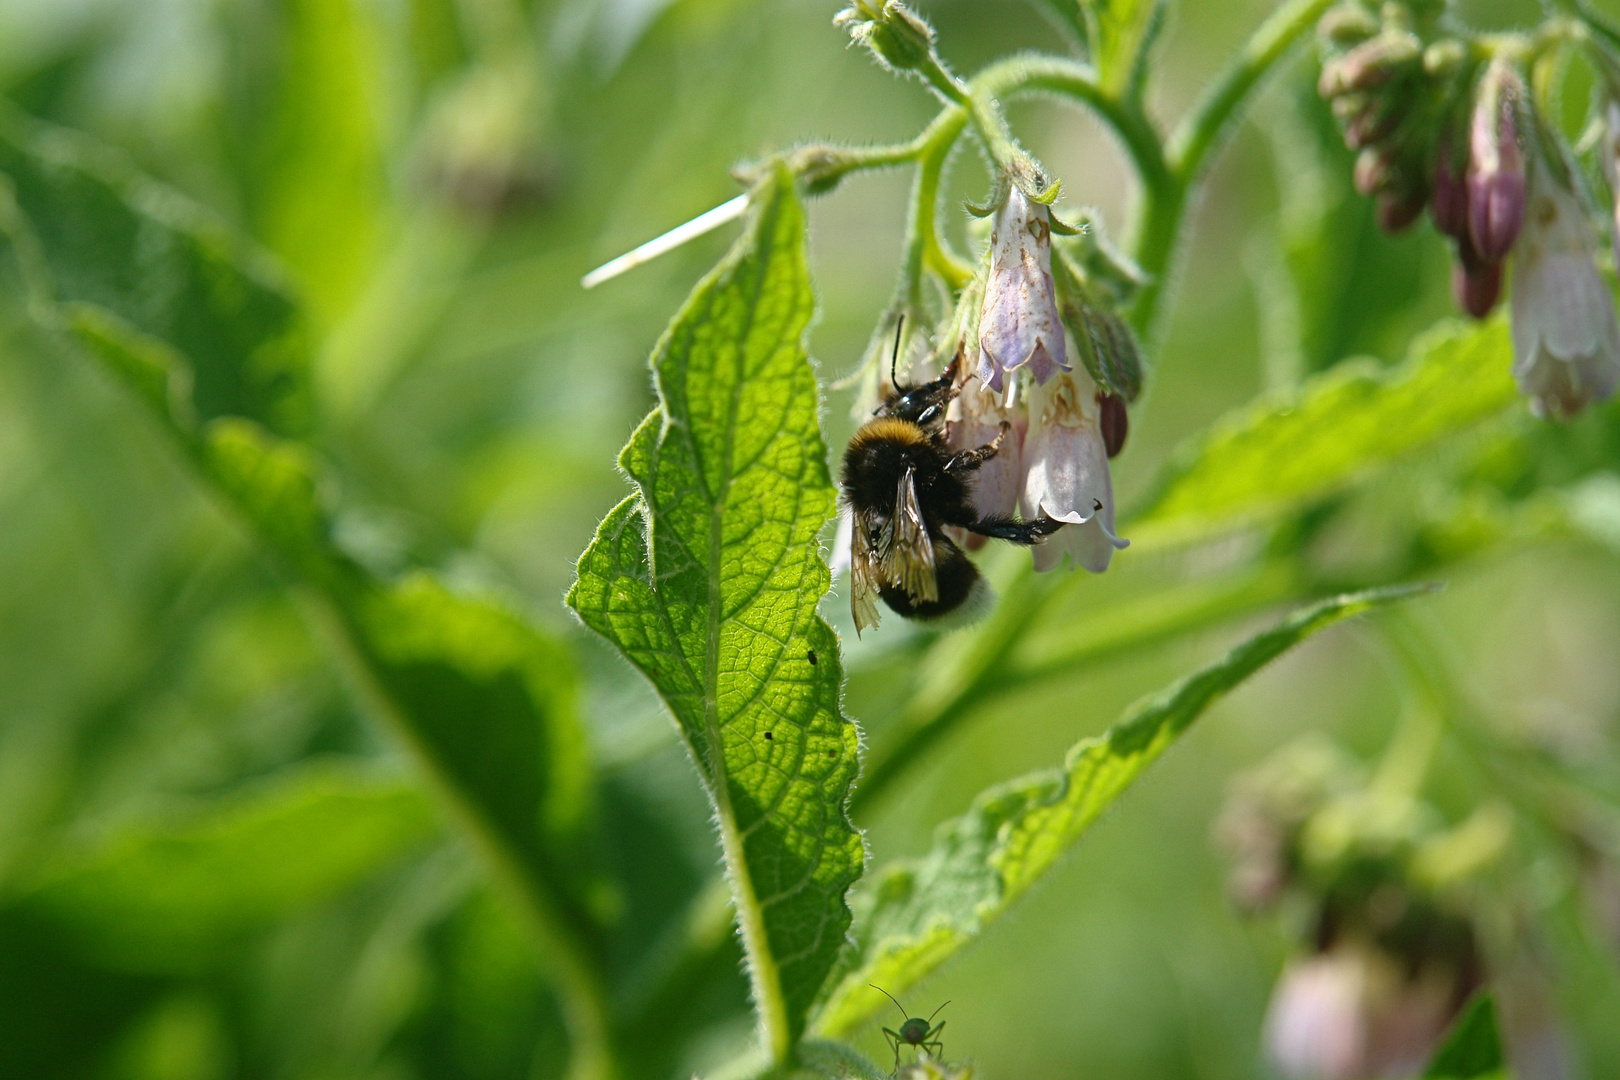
{"type": "Point", "coordinates": [434, 176]}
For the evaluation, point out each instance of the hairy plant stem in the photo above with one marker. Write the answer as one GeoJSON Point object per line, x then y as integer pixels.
{"type": "Point", "coordinates": [1157, 233]}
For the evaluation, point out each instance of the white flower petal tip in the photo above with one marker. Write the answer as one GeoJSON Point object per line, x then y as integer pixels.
{"type": "Point", "coordinates": [1066, 475]}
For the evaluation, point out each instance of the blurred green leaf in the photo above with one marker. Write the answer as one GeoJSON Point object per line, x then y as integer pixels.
{"type": "Point", "coordinates": [485, 700]}
{"type": "Point", "coordinates": [167, 900]}
{"type": "Point", "coordinates": [1291, 447]}
{"type": "Point", "coordinates": [123, 250]}
{"type": "Point", "coordinates": [1473, 1049]}
{"type": "Point", "coordinates": [321, 172]}
{"type": "Point", "coordinates": [708, 580]}
{"type": "Point", "coordinates": [917, 914]}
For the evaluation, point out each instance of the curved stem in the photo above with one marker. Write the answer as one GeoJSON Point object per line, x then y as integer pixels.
{"type": "Point", "coordinates": [1077, 80]}
{"type": "Point", "coordinates": [1200, 133]}
{"type": "Point", "coordinates": [924, 248]}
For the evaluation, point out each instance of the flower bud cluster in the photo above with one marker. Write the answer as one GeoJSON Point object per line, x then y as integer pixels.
{"type": "Point", "coordinates": [1384, 84]}
{"type": "Point", "coordinates": [1387, 958]}
{"type": "Point", "coordinates": [900, 39]}
{"type": "Point", "coordinates": [1437, 129]}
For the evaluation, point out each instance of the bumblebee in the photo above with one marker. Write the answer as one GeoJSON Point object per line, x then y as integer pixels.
{"type": "Point", "coordinates": [902, 486]}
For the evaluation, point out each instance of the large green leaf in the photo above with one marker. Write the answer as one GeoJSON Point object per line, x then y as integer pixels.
{"type": "Point", "coordinates": [708, 578]}
{"type": "Point", "coordinates": [917, 914]}
{"type": "Point", "coordinates": [123, 248]}
{"type": "Point", "coordinates": [170, 899]}
{"type": "Point", "coordinates": [1473, 1049]}
{"type": "Point", "coordinates": [160, 297]}
{"type": "Point", "coordinates": [1292, 447]}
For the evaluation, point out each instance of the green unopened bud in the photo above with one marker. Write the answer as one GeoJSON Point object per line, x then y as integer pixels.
{"type": "Point", "coordinates": [899, 38]}
{"type": "Point", "coordinates": [1445, 57]}
{"type": "Point", "coordinates": [1347, 24]}
{"type": "Point", "coordinates": [1104, 339]}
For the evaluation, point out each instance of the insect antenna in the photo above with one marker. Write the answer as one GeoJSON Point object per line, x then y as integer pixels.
{"type": "Point", "coordinates": [936, 1012]}
{"type": "Point", "coordinates": [894, 999]}
{"type": "Point", "coordinates": [894, 362]}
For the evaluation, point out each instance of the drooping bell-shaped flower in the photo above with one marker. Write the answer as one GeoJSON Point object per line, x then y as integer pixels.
{"type": "Point", "coordinates": [1019, 322]}
{"type": "Point", "coordinates": [1355, 1012]}
{"type": "Point", "coordinates": [1566, 342]}
{"type": "Point", "coordinates": [976, 417]}
{"type": "Point", "coordinates": [1066, 473]}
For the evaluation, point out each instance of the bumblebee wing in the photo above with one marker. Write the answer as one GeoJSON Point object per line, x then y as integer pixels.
{"type": "Point", "coordinates": [864, 569]}
{"type": "Point", "coordinates": [908, 557]}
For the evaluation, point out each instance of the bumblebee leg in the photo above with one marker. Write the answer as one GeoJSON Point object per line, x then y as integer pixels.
{"type": "Point", "coordinates": [1019, 532]}
{"type": "Point", "coordinates": [968, 460]}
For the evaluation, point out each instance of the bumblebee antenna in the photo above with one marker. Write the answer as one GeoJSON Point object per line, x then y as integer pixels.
{"type": "Point", "coordinates": [896, 1001]}
{"type": "Point", "coordinates": [894, 361]}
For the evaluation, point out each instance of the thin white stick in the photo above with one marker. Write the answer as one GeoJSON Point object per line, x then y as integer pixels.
{"type": "Point", "coordinates": [680, 234]}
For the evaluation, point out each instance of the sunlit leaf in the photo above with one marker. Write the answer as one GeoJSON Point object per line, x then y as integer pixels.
{"type": "Point", "coordinates": [172, 898]}
{"type": "Point", "coordinates": [708, 578]}
{"type": "Point", "coordinates": [1289, 448]}
{"type": "Point", "coordinates": [1473, 1049]}
{"type": "Point", "coordinates": [917, 914]}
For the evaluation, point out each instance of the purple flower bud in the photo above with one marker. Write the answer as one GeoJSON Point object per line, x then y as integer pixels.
{"type": "Point", "coordinates": [1449, 203]}
{"type": "Point", "coordinates": [1495, 166]}
{"type": "Point", "coordinates": [1475, 285]}
{"type": "Point", "coordinates": [1398, 209]}
{"type": "Point", "coordinates": [1371, 64]}
{"type": "Point", "coordinates": [1373, 123]}
{"type": "Point", "coordinates": [1114, 421]}
{"type": "Point", "coordinates": [1374, 171]}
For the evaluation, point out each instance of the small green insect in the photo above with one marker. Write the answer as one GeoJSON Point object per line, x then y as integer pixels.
{"type": "Point", "coordinates": [914, 1032]}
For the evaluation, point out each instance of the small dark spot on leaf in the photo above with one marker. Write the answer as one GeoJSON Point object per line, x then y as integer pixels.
{"type": "Point", "coordinates": [832, 753]}
{"type": "Point", "coordinates": [811, 656]}
{"type": "Point", "coordinates": [767, 736]}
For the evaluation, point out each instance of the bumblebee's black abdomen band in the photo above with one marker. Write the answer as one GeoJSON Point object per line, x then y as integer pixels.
{"type": "Point", "coordinates": [955, 575]}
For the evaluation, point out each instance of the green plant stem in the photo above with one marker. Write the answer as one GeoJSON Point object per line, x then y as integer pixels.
{"type": "Point", "coordinates": [1078, 81]}
{"type": "Point", "coordinates": [924, 248]}
{"type": "Point", "coordinates": [1156, 235]}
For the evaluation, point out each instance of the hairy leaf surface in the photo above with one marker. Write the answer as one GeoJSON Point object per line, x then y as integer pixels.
{"type": "Point", "coordinates": [917, 914]}
{"type": "Point", "coordinates": [708, 578]}
{"type": "Point", "coordinates": [1292, 447]}
{"type": "Point", "coordinates": [168, 899]}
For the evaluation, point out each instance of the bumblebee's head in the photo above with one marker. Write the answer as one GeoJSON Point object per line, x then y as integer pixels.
{"type": "Point", "coordinates": [922, 405]}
